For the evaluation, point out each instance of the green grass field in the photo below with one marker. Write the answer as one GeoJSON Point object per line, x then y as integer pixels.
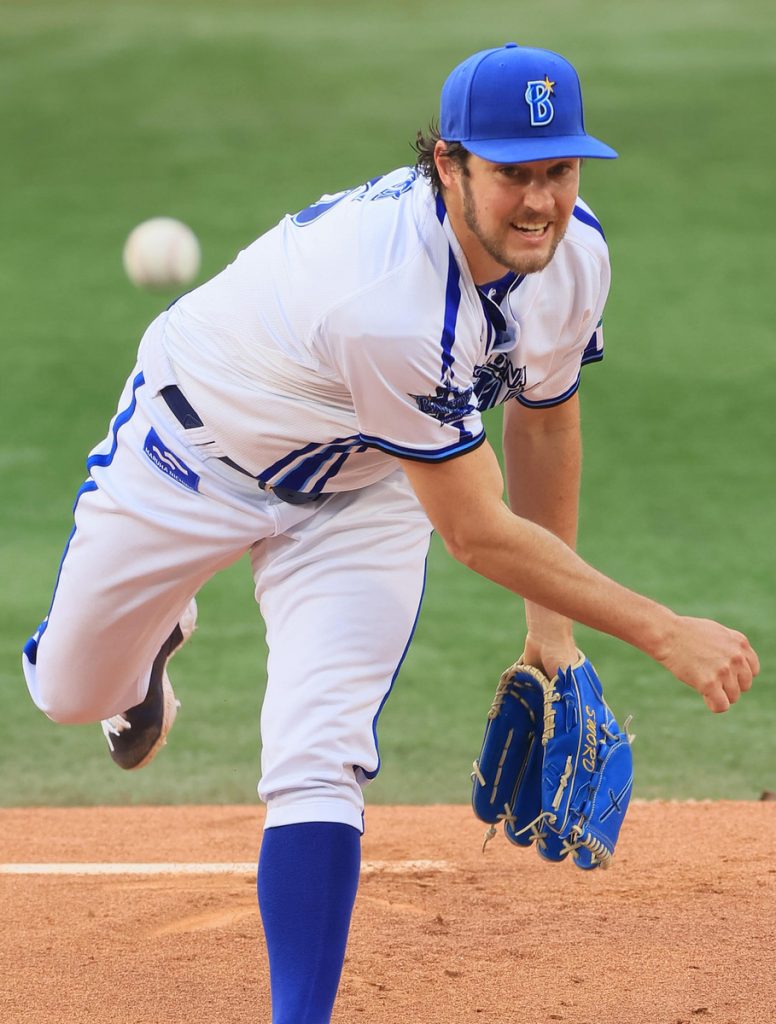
{"type": "Point", "coordinates": [228, 115]}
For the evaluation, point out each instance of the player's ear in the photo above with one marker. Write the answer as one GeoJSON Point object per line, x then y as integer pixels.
{"type": "Point", "coordinates": [447, 167]}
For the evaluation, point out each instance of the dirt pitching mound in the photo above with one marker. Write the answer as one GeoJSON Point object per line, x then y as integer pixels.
{"type": "Point", "coordinates": [148, 916]}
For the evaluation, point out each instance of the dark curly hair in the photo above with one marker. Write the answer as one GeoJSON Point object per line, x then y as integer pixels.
{"type": "Point", "coordinates": [424, 145]}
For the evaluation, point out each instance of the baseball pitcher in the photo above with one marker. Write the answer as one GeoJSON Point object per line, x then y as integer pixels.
{"type": "Point", "coordinates": [318, 406]}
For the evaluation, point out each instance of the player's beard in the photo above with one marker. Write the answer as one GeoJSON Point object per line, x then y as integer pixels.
{"type": "Point", "coordinates": [528, 264]}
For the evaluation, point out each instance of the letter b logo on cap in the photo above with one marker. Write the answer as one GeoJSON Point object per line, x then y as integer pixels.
{"type": "Point", "coordinates": [537, 96]}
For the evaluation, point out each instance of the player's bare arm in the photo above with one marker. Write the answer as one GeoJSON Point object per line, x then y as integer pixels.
{"type": "Point", "coordinates": [463, 499]}
{"type": "Point", "coordinates": [542, 461]}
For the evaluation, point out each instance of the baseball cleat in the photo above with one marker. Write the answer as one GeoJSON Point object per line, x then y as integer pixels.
{"type": "Point", "coordinates": [135, 737]}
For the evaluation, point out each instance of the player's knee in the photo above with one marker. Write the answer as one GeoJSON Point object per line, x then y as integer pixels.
{"type": "Point", "coordinates": [53, 697]}
{"type": "Point", "coordinates": [68, 714]}
{"type": "Point", "coordinates": [61, 695]}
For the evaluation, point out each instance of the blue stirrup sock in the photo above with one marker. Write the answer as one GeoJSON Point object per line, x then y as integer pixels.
{"type": "Point", "coordinates": [307, 882]}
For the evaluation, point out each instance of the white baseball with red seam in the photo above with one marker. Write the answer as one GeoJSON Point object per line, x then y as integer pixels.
{"type": "Point", "coordinates": [161, 253]}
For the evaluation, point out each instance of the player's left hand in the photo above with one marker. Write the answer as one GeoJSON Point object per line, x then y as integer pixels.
{"type": "Point", "coordinates": [549, 653]}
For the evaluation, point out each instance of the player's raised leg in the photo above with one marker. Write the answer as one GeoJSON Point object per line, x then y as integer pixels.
{"type": "Point", "coordinates": [142, 545]}
{"type": "Point", "coordinates": [340, 596]}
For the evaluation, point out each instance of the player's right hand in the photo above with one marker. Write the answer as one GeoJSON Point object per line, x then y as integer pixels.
{"type": "Point", "coordinates": [718, 662]}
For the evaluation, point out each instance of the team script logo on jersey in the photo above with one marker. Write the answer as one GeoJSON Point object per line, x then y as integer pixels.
{"type": "Point", "coordinates": [448, 404]}
{"type": "Point", "coordinates": [497, 381]}
{"type": "Point", "coordinates": [169, 463]}
{"type": "Point", "coordinates": [396, 191]}
{"type": "Point", "coordinates": [317, 209]}
{"type": "Point", "coordinates": [537, 96]}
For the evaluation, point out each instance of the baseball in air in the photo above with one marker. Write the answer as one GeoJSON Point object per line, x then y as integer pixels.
{"type": "Point", "coordinates": [161, 253]}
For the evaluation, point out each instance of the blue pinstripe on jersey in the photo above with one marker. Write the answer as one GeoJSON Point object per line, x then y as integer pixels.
{"type": "Point", "coordinates": [452, 303]}
{"type": "Point", "coordinates": [337, 465]}
{"type": "Point", "coordinates": [301, 477]}
{"type": "Point", "coordinates": [314, 457]}
{"type": "Point", "coordinates": [309, 460]}
{"type": "Point", "coordinates": [589, 219]}
{"type": "Point", "coordinates": [441, 209]}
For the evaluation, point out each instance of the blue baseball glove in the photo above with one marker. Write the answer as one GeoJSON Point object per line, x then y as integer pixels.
{"type": "Point", "coordinates": [555, 767]}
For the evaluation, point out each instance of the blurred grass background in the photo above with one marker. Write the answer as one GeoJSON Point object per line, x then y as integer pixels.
{"type": "Point", "coordinates": [228, 115]}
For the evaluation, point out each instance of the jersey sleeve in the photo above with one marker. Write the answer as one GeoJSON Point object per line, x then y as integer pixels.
{"type": "Point", "coordinates": [408, 365]}
{"type": "Point", "coordinates": [579, 329]}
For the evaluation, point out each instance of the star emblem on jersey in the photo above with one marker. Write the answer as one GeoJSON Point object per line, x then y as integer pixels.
{"type": "Point", "coordinates": [447, 404]}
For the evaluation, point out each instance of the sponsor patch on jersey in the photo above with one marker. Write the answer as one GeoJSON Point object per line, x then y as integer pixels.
{"type": "Point", "coordinates": [448, 404]}
{"type": "Point", "coordinates": [171, 465]}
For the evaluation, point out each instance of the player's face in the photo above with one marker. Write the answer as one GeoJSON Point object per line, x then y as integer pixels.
{"type": "Point", "coordinates": [514, 214]}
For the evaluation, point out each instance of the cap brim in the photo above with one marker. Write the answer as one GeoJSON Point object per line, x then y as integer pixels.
{"type": "Point", "coordinates": [519, 151]}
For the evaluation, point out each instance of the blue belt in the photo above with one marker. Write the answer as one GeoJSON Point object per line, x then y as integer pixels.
{"type": "Point", "coordinates": [189, 418]}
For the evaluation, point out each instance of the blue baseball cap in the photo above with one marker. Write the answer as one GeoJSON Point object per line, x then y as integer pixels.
{"type": "Point", "coordinates": [513, 104]}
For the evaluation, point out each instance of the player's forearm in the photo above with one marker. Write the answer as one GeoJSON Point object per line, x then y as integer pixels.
{"type": "Point", "coordinates": [543, 462]}
{"type": "Point", "coordinates": [463, 500]}
{"type": "Point", "coordinates": [531, 561]}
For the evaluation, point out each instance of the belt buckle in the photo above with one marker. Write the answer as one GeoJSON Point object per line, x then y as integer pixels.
{"type": "Point", "coordinates": [290, 496]}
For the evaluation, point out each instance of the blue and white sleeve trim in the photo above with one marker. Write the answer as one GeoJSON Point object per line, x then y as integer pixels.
{"type": "Point", "coordinates": [450, 451]}
{"type": "Point", "coordinates": [547, 403]}
{"type": "Point", "coordinates": [594, 350]}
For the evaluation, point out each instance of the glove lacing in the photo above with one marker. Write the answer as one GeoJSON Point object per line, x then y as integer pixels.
{"type": "Point", "coordinates": [507, 818]}
{"type": "Point", "coordinates": [576, 839]}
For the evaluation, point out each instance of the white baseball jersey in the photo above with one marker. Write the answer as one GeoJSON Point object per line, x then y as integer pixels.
{"type": "Point", "coordinates": [347, 335]}
{"type": "Point", "coordinates": [352, 332]}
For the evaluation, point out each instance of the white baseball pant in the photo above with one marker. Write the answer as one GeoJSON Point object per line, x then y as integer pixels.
{"type": "Point", "coordinates": [339, 583]}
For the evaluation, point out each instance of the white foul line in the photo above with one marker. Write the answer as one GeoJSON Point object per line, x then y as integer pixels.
{"type": "Point", "coordinates": [127, 869]}
{"type": "Point", "coordinates": [368, 867]}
